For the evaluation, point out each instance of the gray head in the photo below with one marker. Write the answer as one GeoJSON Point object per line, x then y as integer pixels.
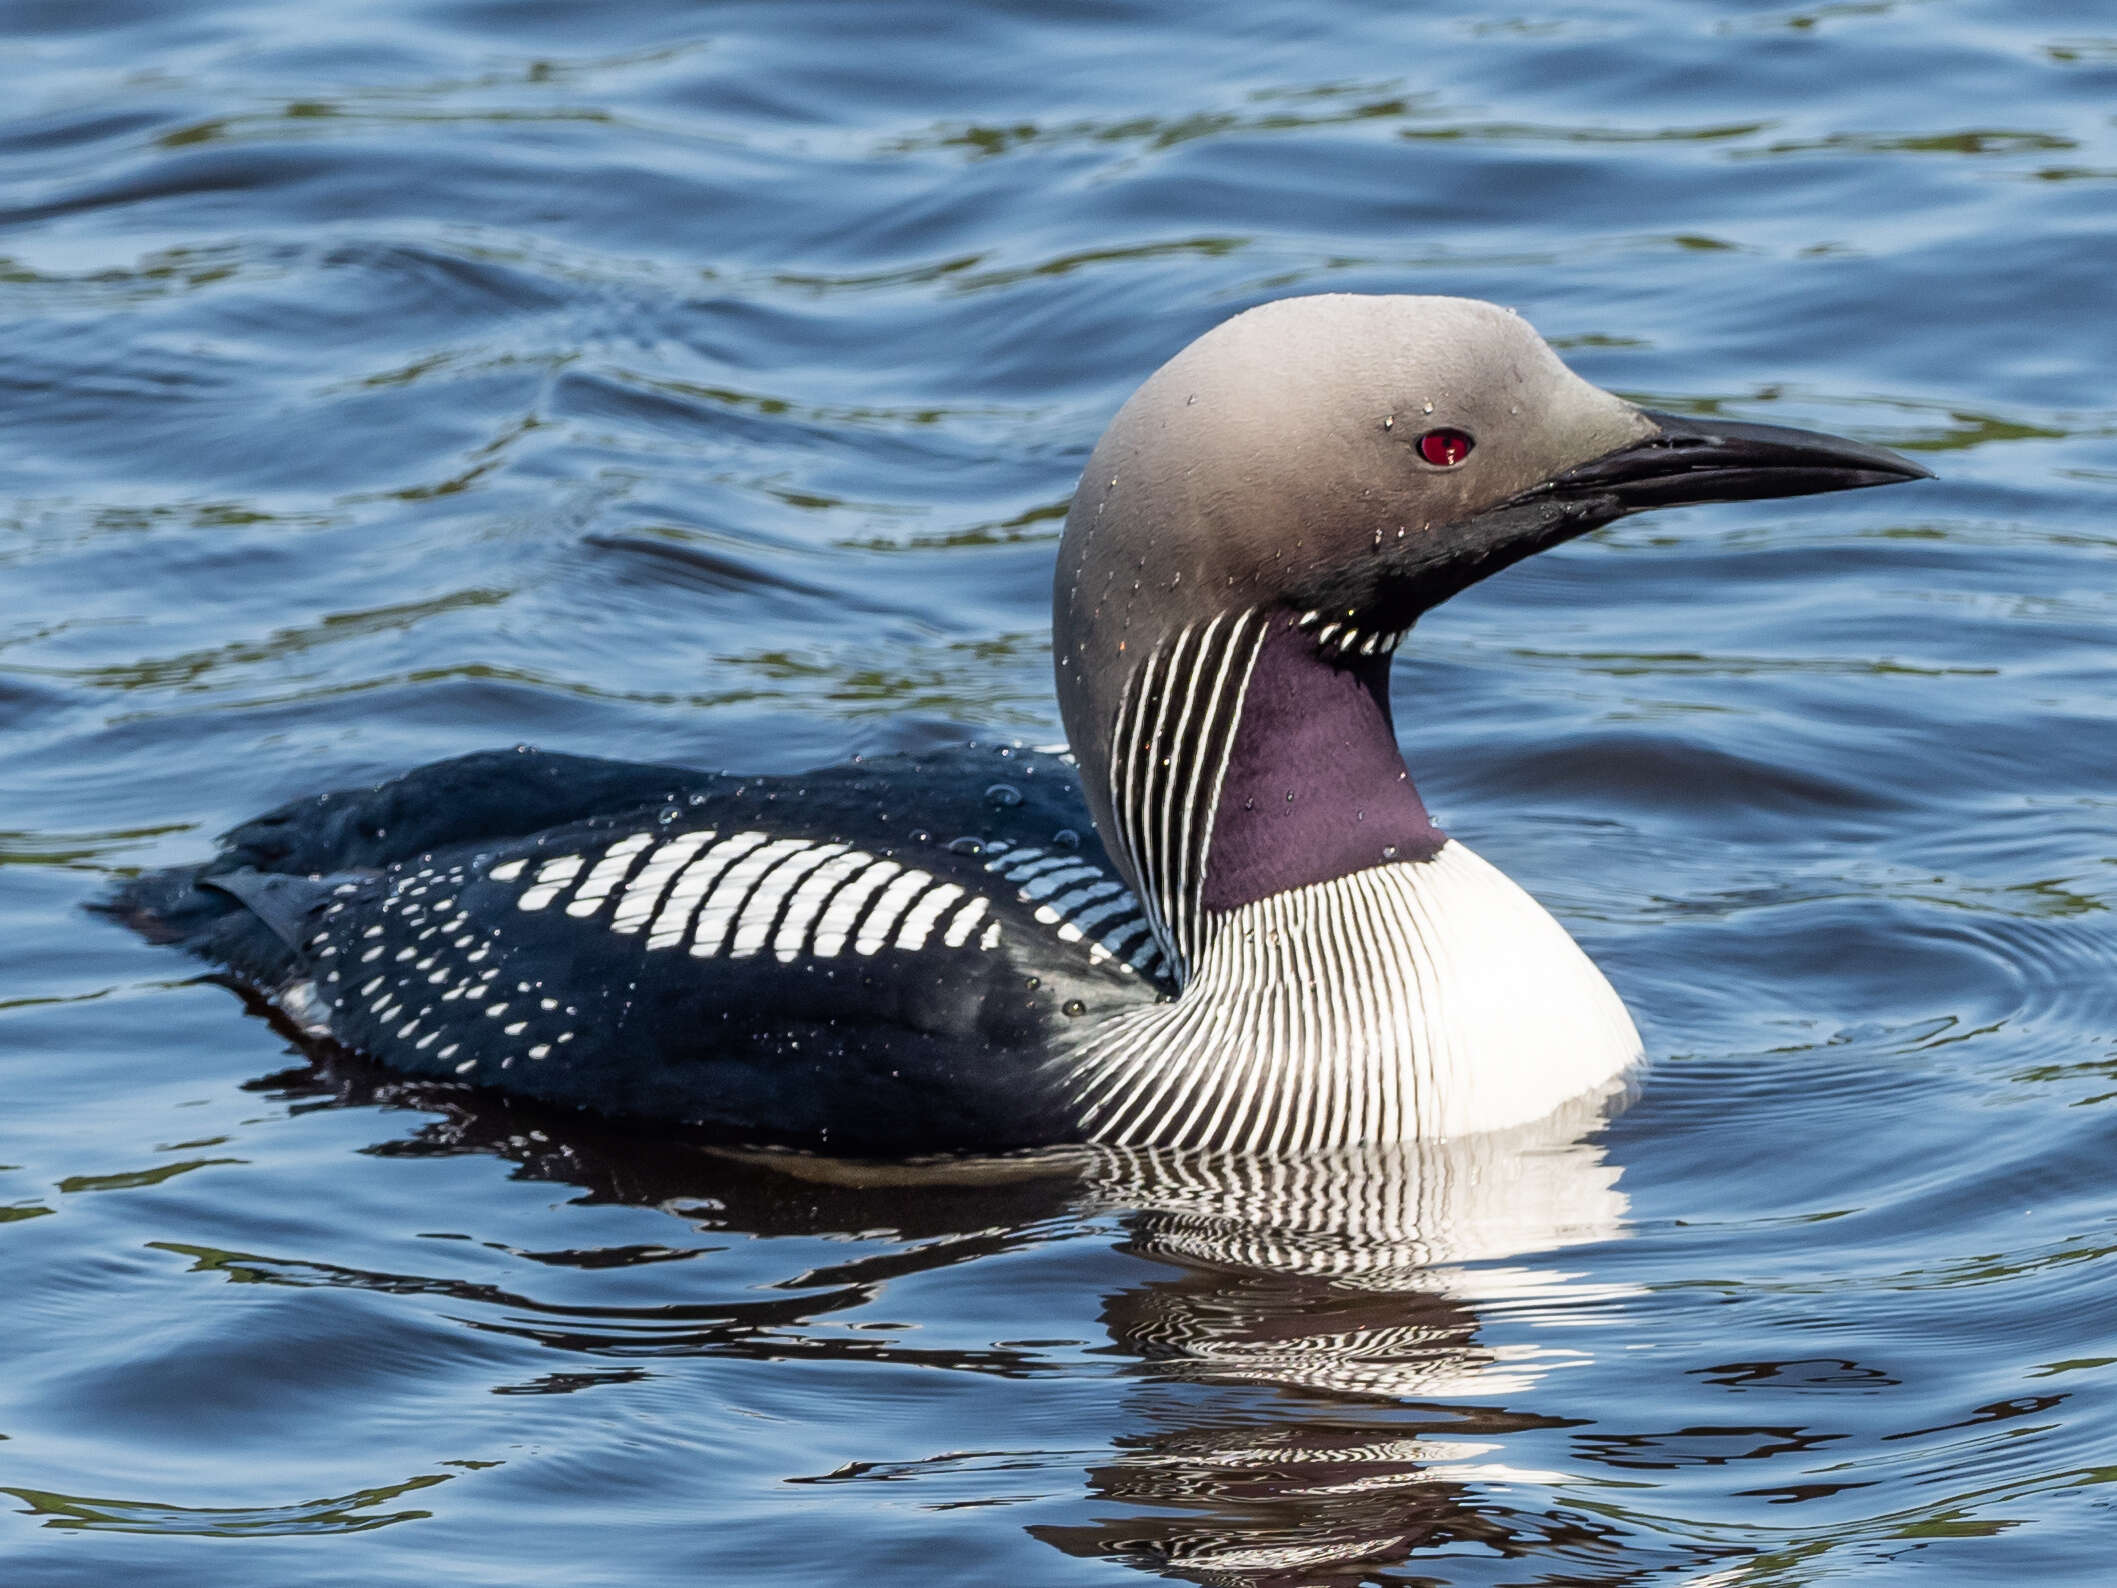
{"type": "Point", "coordinates": [1356, 460]}
{"type": "Point", "coordinates": [1281, 458]}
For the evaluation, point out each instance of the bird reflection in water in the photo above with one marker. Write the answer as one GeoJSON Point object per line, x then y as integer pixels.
{"type": "Point", "coordinates": [1343, 1285]}
{"type": "Point", "coordinates": [1331, 1301]}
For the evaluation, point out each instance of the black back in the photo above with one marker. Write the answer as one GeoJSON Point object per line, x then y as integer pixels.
{"type": "Point", "coordinates": [880, 957]}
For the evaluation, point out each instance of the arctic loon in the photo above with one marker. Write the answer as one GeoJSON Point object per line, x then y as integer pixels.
{"type": "Point", "coordinates": [1235, 927]}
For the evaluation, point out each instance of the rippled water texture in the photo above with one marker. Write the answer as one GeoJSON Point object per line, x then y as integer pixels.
{"type": "Point", "coordinates": [705, 383]}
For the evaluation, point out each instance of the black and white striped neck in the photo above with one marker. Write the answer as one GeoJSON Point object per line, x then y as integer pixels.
{"type": "Point", "coordinates": [1254, 753]}
{"type": "Point", "coordinates": [1344, 972]}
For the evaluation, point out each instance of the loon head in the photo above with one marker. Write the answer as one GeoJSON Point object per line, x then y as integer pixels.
{"type": "Point", "coordinates": [1274, 508]}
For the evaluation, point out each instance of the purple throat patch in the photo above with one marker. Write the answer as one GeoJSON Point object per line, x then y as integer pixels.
{"type": "Point", "coordinates": [1315, 787]}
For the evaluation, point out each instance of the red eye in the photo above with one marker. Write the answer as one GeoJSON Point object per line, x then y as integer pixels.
{"type": "Point", "coordinates": [1444, 449]}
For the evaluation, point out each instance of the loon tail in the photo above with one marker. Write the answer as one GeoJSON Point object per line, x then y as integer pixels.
{"type": "Point", "coordinates": [248, 908]}
{"type": "Point", "coordinates": [249, 921]}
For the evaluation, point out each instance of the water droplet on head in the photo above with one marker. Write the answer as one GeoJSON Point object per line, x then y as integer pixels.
{"type": "Point", "coordinates": [1003, 794]}
{"type": "Point", "coordinates": [1389, 851]}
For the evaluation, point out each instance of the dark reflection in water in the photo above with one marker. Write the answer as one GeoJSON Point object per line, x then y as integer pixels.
{"type": "Point", "coordinates": [1342, 1287]}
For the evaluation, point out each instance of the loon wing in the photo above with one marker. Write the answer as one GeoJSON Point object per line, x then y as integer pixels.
{"type": "Point", "coordinates": [883, 954]}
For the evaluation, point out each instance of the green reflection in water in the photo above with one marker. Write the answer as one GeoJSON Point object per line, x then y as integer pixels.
{"type": "Point", "coordinates": [1032, 525]}
{"type": "Point", "coordinates": [346, 1513]}
{"type": "Point", "coordinates": [79, 851]}
{"type": "Point", "coordinates": [984, 141]}
{"type": "Point", "coordinates": [286, 123]}
{"type": "Point", "coordinates": [1928, 426]}
{"type": "Point", "coordinates": [815, 413]}
{"type": "Point", "coordinates": [187, 669]}
{"type": "Point", "coordinates": [1067, 264]}
{"type": "Point", "coordinates": [1698, 664]}
{"type": "Point", "coordinates": [2083, 52]}
{"type": "Point", "coordinates": [1976, 141]}
{"type": "Point", "coordinates": [1538, 132]}
{"type": "Point", "coordinates": [134, 1179]}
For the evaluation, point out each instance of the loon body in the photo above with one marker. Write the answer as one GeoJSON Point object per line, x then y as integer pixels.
{"type": "Point", "coordinates": [1229, 923]}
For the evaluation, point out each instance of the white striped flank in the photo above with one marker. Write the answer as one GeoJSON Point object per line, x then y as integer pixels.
{"type": "Point", "coordinates": [1079, 897]}
{"type": "Point", "coordinates": [607, 873]}
{"type": "Point", "coordinates": [837, 923]}
{"type": "Point", "coordinates": [761, 909]}
{"type": "Point", "coordinates": [717, 914]}
{"type": "Point", "coordinates": [748, 894]}
{"type": "Point", "coordinates": [552, 878]}
{"type": "Point", "coordinates": [809, 900]}
{"type": "Point", "coordinates": [674, 923]}
{"type": "Point", "coordinates": [920, 918]}
{"type": "Point", "coordinates": [1416, 1000]}
{"type": "Point", "coordinates": [965, 922]}
{"type": "Point", "coordinates": [896, 899]}
{"type": "Point", "coordinates": [636, 906]}
{"type": "Point", "coordinates": [1169, 751]}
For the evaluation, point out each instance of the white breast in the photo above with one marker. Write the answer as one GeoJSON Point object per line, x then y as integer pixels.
{"type": "Point", "coordinates": [1411, 1001]}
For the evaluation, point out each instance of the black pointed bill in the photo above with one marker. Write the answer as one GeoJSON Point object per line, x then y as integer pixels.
{"type": "Point", "coordinates": [1721, 460]}
{"type": "Point", "coordinates": [1681, 461]}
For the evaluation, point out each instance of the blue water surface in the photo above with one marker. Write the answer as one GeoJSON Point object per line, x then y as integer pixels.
{"type": "Point", "coordinates": [706, 383]}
